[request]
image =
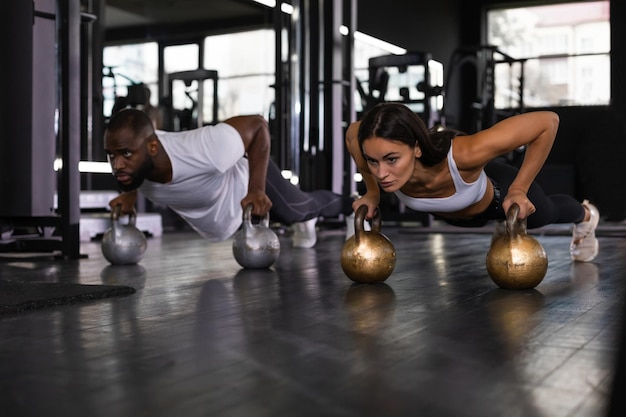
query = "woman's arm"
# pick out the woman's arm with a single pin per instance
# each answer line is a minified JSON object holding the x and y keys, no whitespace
{"x":372,"y":195}
{"x":255,"y":134}
{"x":535,"y":130}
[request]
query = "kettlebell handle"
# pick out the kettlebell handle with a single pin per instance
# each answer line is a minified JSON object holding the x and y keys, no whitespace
{"x":247,"y":216}
{"x":115,"y":216}
{"x":359,"y":221}
{"x":513,"y":224}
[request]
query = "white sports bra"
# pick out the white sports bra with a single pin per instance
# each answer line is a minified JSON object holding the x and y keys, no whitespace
{"x":465,"y":195}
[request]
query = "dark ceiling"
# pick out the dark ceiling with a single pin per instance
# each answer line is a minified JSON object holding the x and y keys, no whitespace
{"x":140,"y":13}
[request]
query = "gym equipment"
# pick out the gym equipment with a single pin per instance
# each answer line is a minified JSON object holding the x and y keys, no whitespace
{"x":193,"y":83}
{"x":368,"y":256}
{"x":50,"y":73}
{"x":255,"y":246}
{"x":123,"y":244}
{"x":414,"y":78}
{"x":516,"y":260}
{"x":471,"y":78}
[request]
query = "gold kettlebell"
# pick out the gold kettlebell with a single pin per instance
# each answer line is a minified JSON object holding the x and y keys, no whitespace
{"x":515,"y":259}
{"x":368,"y":256}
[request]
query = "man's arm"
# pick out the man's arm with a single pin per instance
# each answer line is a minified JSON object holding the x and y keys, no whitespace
{"x":255,"y":134}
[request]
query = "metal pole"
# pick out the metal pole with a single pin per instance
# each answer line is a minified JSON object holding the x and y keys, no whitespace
{"x":68,"y":29}
{"x":295,"y":64}
{"x":349,"y":167}
{"x":281,"y":88}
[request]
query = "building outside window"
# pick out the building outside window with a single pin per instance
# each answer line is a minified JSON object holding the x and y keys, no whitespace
{"x":245,"y":77}
{"x":563,"y":49}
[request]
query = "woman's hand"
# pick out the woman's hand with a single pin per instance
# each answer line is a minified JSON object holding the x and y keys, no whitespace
{"x":526,"y":207}
{"x":370,"y":200}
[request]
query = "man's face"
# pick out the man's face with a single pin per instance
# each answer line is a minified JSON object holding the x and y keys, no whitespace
{"x":129,"y":158}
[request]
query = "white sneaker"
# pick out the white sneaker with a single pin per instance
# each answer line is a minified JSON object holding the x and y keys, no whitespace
{"x":350,"y":226}
{"x":304,"y":234}
{"x":584,"y":246}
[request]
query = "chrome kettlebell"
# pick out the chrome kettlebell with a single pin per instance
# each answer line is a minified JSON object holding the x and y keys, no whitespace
{"x":515,"y":259}
{"x":123,"y":244}
{"x":255,"y":245}
{"x":368,"y":256}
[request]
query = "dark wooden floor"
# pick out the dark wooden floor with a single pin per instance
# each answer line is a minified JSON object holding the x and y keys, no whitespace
{"x":202,"y":337}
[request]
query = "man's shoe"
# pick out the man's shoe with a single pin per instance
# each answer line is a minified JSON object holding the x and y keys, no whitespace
{"x":304,"y":234}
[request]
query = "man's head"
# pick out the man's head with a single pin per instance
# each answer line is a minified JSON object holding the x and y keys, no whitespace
{"x":130,"y":144}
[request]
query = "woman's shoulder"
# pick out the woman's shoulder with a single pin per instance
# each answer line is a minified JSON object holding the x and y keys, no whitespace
{"x":353,"y":130}
{"x":466,"y":152}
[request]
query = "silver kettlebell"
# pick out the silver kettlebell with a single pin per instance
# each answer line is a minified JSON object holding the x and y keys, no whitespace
{"x":255,"y":246}
{"x":123,"y":244}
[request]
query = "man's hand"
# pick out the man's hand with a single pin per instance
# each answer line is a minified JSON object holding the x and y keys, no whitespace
{"x":261,"y":203}
{"x":127,"y":201}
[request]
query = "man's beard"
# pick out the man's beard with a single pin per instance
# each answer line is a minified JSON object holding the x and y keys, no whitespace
{"x":138,"y":177}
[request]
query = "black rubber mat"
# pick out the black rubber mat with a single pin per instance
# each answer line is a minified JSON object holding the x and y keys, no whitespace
{"x":18,"y":296}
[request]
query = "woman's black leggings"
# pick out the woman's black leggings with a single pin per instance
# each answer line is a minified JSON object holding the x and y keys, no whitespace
{"x":556,"y":208}
{"x":292,"y":205}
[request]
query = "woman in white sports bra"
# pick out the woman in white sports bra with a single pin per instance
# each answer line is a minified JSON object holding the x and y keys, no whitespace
{"x":455,"y":176}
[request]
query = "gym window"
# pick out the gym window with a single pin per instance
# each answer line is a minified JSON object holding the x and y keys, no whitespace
{"x":245,"y":77}
{"x":551,"y":55}
{"x":126,"y":65}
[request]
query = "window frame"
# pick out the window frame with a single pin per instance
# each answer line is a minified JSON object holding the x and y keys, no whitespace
{"x":573,"y":58}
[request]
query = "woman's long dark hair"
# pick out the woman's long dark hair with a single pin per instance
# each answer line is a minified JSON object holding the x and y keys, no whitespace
{"x":395,"y":121}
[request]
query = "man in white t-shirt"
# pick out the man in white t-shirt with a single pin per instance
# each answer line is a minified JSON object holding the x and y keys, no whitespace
{"x":207,"y":175}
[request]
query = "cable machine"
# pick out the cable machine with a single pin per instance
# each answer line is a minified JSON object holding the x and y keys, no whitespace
{"x":314,"y":92}
{"x":194,"y":84}
{"x":414,"y":79}
{"x":32,"y":142}
{"x":479,"y":111}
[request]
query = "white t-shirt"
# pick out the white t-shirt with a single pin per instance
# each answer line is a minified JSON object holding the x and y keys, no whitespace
{"x":209,"y":179}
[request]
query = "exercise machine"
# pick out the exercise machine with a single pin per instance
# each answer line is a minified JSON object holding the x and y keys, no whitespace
{"x":415,"y":79}
{"x":185,"y":87}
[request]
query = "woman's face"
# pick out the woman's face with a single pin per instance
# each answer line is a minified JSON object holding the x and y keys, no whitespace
{"x":391,"y":162}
